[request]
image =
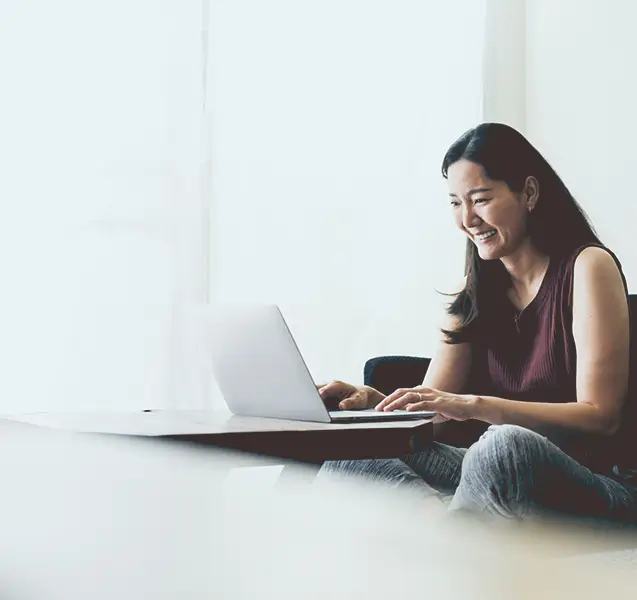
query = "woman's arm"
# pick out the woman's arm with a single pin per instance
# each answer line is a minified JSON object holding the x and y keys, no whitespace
{"x":449,"y":371}
{"x":450,"y":366}
{"x":601,"y":333}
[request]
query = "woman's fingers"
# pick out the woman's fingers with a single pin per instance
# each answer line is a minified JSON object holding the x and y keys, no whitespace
{"x":343,"y":396}
{"x":403,"y":396}
{"x":352,"y":402}
{"x":425,"y":405}
{"x":331,"y":394}
{"x":409,"y":397}
{"x":333,"y":389}
{"x":392,"y":398}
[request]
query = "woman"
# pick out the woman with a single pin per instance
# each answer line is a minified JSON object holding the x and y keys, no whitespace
{"x":542,"y":325}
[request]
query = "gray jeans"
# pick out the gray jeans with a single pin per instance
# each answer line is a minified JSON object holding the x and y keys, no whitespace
{"x":510,"y":472}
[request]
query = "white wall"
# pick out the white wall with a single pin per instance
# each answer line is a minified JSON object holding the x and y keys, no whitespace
{"x":581,"y":98}
{"x":504,"y":63}
{"x":101,"y":236}
{"x":330,"y":121}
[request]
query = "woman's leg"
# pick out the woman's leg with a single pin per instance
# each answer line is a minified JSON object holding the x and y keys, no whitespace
{"x":439,"y":466}
{"x":436,"y":471}
{"x":514,"y":472}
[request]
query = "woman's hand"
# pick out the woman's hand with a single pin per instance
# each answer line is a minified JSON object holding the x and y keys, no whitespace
{"x":458,"y":407}
{"x":345,"y":396}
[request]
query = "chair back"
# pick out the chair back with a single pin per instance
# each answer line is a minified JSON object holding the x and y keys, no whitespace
{"x":388,"y":373}
{"x":628,"y":432}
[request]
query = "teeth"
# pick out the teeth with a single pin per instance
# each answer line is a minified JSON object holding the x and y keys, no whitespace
{"x":488,"y":234}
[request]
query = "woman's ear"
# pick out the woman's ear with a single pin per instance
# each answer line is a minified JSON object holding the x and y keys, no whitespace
{"x":531,"y":192}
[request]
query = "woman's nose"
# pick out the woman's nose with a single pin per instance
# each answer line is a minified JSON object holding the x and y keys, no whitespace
{"x":469,"y":217}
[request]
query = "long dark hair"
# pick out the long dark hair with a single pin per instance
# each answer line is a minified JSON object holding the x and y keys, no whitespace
{"x":556,"y":225}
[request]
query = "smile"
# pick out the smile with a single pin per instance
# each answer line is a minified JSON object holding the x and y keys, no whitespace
{"x":486,"y":236}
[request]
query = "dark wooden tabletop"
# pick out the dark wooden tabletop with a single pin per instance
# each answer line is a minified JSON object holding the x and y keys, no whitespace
{"x":293,"y":440}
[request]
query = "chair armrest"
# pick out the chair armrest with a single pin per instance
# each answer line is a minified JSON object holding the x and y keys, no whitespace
{"x":388,"y":373}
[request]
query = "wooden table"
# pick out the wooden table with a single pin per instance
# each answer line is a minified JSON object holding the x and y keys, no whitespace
{"x":289,"y":440}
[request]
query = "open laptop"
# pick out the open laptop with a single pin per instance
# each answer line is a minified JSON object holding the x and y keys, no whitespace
{"x":260,"y":371}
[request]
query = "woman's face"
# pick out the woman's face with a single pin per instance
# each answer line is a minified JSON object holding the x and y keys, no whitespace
{"x":488,"y":211}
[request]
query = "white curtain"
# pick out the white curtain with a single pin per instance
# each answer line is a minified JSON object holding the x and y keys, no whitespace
{"x":329,"y":122}
{"x":103,"y":233}
{"x":158,"y":154}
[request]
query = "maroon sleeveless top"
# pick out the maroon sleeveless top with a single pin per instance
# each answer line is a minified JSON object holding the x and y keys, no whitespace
{"x":531,"y":356}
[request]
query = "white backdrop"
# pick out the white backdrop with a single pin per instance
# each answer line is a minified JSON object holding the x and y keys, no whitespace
{"x":299,"y":142}
{"x":103,"y":232}
{"x":581,"y":109}
{"x":329,"y":124}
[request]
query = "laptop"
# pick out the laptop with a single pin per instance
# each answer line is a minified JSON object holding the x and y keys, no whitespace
{"x":261,"y":373}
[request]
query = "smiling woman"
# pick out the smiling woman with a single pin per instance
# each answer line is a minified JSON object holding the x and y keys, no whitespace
{"x":542,"y":318}
{"x":500,"y":185}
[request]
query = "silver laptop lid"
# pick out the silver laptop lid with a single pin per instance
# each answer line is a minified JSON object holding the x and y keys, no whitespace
{"x":258,"y":366}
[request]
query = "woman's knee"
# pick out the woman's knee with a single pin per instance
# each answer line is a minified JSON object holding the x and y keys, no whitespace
{"x":505,"y":460}
{"x":506,"y":445}
{"x":509,"y":438}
